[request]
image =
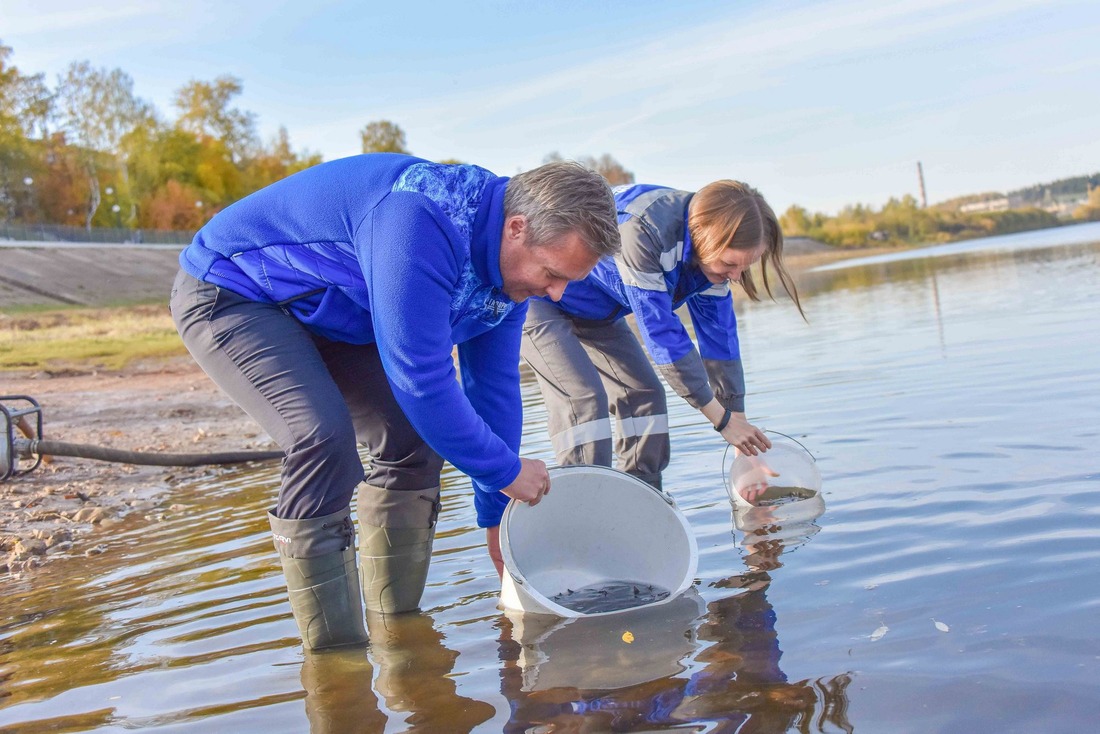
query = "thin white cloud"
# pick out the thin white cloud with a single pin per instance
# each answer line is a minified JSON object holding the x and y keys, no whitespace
{"x":681,"y":71}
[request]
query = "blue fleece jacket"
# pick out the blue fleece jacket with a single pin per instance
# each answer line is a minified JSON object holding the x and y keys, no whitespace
{"x":404,"y":253}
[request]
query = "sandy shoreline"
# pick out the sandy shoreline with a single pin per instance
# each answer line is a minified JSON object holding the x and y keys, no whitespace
{"x":57,"y":510}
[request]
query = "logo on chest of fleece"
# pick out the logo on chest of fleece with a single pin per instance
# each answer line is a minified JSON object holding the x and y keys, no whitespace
{"x":475,"y":299}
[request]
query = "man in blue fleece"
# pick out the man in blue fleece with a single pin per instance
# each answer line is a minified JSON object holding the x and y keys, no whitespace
{"x":327,"y":305}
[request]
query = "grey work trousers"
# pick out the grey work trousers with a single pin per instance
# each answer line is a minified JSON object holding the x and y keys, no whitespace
{"x":587,"y":371}
{"x":315,"y":397}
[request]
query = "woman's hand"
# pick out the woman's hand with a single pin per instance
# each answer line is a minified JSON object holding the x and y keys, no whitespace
{"x":745,"y":437}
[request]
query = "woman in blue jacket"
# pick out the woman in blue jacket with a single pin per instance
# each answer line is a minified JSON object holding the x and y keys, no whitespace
{"x":678,"y":248}
{"x":328,"y":304}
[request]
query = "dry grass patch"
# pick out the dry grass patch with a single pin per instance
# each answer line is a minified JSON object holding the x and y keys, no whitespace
{"x":85,"y":338}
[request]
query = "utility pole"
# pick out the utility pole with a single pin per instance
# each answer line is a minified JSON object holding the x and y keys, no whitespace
{"x":923,"y":197}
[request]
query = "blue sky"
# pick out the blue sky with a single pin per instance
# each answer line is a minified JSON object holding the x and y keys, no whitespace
{"x":817,"y":103}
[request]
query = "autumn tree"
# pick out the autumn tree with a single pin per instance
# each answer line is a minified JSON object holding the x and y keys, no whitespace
{"x":277,"y":160}
{"x":795,"y":222}
{"x":25,"y":105}
{"x":61,"y":188}
{"x":173,"y":206}
{"x":222,"y":143}
{"x":14,"y":147}
{"x":383,"y":136}
{"x":609,"y":168}
{"x":205,"y":110}
{"x":1090,"y":210}
{"x":606,"y":165}
{"x":97,"y":109}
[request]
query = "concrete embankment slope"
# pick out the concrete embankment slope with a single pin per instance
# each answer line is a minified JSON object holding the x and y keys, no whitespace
{"x":95,"y":274}
{"x":64,"y":273}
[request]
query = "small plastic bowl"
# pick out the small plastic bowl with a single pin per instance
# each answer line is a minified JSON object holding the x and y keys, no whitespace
{"x":784,"y":473}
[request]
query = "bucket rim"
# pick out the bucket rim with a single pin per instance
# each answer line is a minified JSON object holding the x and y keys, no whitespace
{"x":520,"y":581}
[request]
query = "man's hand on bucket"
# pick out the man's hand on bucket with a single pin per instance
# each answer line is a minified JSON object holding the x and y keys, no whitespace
{"x":532,"y":483}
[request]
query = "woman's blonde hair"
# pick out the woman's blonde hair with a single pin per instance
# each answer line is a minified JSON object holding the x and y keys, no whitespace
{"x":733,"y":214}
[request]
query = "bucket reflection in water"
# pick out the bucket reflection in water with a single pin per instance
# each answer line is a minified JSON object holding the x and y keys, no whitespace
{"x":596,"y":532}
{"x":558,"y":674}
{"x":607,"y":651}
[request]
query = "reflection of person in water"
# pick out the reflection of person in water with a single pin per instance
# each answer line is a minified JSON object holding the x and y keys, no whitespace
{"x":413,"y":669}
{"x":769,"y":530}
{"x":414,"y":675}
{"x":742,"y":686}
{"x":338,"y":692}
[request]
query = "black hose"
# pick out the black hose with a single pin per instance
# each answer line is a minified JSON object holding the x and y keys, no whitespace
{"x":101,"y":453}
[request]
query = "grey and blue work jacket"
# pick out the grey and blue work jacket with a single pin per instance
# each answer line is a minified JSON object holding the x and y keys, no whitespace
{"x":653,"y":276}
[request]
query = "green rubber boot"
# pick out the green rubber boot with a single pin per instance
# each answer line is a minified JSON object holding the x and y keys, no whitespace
{"x":318,"y":557}
{"x":396,"y":530}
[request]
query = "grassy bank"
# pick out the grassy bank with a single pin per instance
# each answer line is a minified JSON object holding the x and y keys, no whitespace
{"x":86,"y":338}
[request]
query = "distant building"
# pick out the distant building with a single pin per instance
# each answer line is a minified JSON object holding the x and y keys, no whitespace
{"x":989,"y":205}
{"x":1061,"y":205}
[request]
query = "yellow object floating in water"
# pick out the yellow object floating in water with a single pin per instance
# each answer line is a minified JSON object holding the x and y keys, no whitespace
{"x":628,"y":637}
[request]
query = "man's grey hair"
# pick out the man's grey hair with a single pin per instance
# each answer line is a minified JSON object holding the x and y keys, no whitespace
{"x":562,"y":197}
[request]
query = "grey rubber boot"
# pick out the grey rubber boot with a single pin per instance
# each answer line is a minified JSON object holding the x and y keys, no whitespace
{"x":396,"y":530}
{"x":318,"y":557}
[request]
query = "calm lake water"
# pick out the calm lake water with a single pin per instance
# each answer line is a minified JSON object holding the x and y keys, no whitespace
{"x":949,"y":583}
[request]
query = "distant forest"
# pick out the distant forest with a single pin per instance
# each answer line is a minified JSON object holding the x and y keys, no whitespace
{"x":89,"y":153}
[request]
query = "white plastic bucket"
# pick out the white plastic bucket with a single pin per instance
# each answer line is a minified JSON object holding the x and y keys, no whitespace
{"x":596,"y":525}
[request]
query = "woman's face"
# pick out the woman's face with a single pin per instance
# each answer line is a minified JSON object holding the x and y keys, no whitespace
{"x":730,"y":264}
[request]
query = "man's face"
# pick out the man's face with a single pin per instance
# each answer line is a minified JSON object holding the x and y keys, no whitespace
{"x":541,"y":270}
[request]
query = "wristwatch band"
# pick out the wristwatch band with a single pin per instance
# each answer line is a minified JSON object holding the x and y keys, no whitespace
{"x":724,"y":422}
